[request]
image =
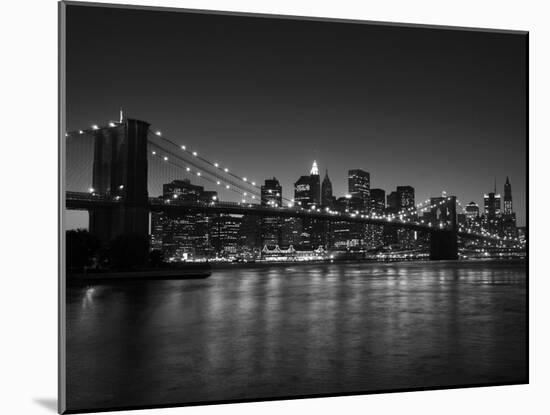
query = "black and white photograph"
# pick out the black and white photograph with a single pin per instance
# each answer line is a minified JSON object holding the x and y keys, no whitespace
{"x":262,"y":207}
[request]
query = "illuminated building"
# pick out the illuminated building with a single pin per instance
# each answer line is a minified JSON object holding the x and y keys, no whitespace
{"x":225,"y":235}
{"x":472,"y":211}
{"x":327,"y":199}
{"x":405,"y":196}
{"x":377,"y":207}
{"x":508,"y":197}
{"x":315,"y":184}
{"x":509,"y":217}
{"x":307,"y":194}
{"x":250,"y":236}
{"x":359,"y":189}
{"x":185,"y":236}
{"x":378,"y":201}
{"x":271,"y":196}
{"x":492,"y":204}
{"x":291,"y":230}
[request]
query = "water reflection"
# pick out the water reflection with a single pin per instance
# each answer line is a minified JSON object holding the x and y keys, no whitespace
{"x":280,"y":331}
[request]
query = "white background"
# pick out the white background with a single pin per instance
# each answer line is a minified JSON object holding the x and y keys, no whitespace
{"x":28,"y":163}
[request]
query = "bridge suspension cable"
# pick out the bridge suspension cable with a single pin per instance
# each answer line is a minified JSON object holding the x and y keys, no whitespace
{"x":167,"y":157}
{"x":246,"y":182}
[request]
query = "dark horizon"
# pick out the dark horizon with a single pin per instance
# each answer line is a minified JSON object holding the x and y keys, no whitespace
{"x":432,"y":108}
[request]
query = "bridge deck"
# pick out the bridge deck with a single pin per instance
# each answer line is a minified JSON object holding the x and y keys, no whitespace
{"x":85,"y":201}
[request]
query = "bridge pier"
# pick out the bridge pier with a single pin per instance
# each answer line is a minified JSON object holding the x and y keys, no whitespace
{"x":443,"y":245}
{"x":120,"y":171}
{"x":444,"y":242}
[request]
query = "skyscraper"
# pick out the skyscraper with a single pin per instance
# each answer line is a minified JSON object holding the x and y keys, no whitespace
{"x":271,"y":196}
{"x":378,"y":207}
{"x":508,"y":197}
{"x":378,"y":201}
{"x":307,"y":194}
{"x":303,"y":195}
{"x":225,"y":235}
{"x":509,"y":217}
{"x":271,"y":193}
{"x":472,"y":210}
{"x":405,"y":195}
{"x":307,"y":189}
{"x":393,"y":203}
{"x":491,"y":204}
{"x":315,"y":184}
{"x":359,"y":189}
{"x":185,"y":236}
{"x":327,"y":199}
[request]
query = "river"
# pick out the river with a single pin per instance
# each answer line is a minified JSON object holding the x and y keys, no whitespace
{"x":296,"y":330}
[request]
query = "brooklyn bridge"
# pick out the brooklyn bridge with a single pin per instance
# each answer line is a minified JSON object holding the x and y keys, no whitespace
{"x":118,"y":201}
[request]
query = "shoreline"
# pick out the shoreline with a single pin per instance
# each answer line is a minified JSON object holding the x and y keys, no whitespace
{"x":195,"y":272}
{"x":227,"y":265}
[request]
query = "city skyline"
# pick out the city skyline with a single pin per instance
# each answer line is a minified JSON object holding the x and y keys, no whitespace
{"x":277,"y":208}
{"x":397,"y":111}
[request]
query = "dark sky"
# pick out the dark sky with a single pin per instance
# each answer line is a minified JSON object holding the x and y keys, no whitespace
{"x":431,"y":108}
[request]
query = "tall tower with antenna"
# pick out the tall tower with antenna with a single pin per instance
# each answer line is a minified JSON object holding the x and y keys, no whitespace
{"x":508,"y":197}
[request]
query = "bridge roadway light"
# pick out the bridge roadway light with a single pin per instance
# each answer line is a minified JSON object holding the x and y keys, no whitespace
{"x":112,"y":124}
{"x":165,"y":158}
{"x":227,"y":186}
{"x":195,"y":153}
{"x":158,"y":133}
{"x":91,"y":190}
{"x":253,"y":183}
{"x":244,"y":179}
{"x":80,"y":132}
{"x":216,"y":165}
{"x":226,"y":170}
{"x":188,"y":169}
{"x":95,"y":127}
{"x":183,"y":147}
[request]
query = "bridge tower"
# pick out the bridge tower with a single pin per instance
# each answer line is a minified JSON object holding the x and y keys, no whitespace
{"x":120,"y":172}
{"x":444,"y":242}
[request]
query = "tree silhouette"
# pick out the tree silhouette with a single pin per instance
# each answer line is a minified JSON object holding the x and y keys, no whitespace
{"x":81,"y":246}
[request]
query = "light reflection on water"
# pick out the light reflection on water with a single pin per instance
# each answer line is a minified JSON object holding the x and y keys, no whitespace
{"x":312,"y":329}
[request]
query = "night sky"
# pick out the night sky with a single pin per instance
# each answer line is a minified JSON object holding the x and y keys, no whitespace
{"x":431,"y":108}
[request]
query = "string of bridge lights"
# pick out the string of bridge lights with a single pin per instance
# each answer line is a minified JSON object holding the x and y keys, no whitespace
{"x":190,"y":162}
{"x":159,"y":154}
{"x":251,"y":183}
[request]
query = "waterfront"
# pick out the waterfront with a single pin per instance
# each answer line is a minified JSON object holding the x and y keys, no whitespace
{"x":296,"y":330}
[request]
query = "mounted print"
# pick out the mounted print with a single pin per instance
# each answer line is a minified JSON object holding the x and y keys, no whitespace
{"x":258,"y":207}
